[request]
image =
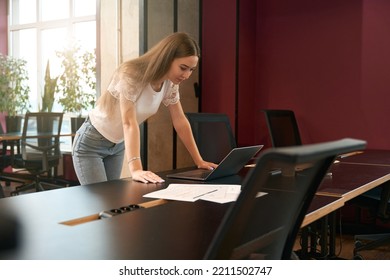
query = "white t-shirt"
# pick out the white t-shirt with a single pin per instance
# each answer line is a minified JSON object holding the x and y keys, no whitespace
{"x":146,"y":103}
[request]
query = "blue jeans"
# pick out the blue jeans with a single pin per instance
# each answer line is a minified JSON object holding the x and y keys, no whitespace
{"x":96,"y":159}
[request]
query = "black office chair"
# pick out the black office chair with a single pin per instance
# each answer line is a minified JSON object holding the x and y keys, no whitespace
{"x":266,"y":227}
{"x":284,"y":131}
{"x":213,"y":135}
{"x":283,"y":128}
{"x":40,"y":149}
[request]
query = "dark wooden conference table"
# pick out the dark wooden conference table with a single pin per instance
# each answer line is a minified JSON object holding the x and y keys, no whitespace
{"x":64,"y":223}
{"x":352,"y":176}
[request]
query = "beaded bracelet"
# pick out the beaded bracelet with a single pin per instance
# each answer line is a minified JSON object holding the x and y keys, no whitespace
{"x":133,"y":159}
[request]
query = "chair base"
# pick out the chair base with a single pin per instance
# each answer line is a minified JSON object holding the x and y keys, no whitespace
{"x":11,"y":177}
{"x":369,"y":241}
{"x":32,"y":186}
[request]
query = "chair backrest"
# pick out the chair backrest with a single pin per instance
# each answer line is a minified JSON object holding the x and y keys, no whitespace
{"x":40,"y":142}
{"x":267,"y":226}
{"x":213,"y":135}
{"x":283,"y":128}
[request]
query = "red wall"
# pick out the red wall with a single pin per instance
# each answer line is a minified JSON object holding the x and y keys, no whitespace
{"x":328,"y":60}
{"x":218,"y":60}
{"x":309,"y":60}
{"x":375,"y":72}
{"x":246,"y":94}
{"x":228,"y":79}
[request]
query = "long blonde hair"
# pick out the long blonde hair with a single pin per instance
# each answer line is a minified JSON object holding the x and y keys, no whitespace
{"x":154,"y":64}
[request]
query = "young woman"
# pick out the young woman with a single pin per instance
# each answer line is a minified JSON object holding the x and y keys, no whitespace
{"x":135,"y":93}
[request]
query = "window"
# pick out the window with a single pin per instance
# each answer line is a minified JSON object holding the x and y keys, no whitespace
{"x":40,"y":28}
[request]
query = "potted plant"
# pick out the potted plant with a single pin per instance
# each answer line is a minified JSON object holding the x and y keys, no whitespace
{"x":77,"y":83}
{"x":48,"y":90}
{"x":14,"y":90}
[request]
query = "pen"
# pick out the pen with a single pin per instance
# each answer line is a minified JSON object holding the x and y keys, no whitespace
{"x":204,"y":194}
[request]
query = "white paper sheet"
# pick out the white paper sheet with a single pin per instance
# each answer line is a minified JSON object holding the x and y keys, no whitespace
{"x":194,"y":192}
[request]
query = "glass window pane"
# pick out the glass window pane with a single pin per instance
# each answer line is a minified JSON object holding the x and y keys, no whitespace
{"x":52,"y":10}
{"x":53,"y":40}
{"x":26,"y":49}
{"x":23,"y":11}
{"x":85,"y":34}
{"x":84,"y":7}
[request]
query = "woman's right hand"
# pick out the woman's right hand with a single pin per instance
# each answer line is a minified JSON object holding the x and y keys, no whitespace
{"x":207,"y":165}
{"x":145,"y":176}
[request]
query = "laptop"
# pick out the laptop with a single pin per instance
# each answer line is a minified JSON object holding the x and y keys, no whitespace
{"x":230,"y":165}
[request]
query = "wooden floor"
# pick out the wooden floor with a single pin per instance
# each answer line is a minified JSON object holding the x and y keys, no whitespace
{"x":379,"y":253}
{"x":345,"y":242}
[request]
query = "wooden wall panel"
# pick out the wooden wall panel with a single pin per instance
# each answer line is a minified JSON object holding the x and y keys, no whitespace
{"x":159,"y":24}
{"x":165,"y":17}
{"x":188,"y":20}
